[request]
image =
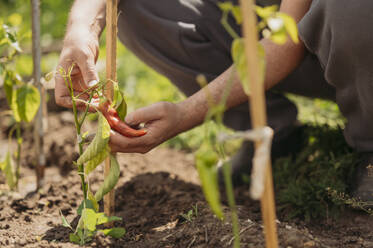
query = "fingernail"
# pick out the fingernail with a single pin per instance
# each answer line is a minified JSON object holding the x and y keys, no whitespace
{"x":92,"y":83}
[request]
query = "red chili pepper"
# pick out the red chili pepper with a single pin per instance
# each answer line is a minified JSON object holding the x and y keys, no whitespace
{"x":117,"y":124}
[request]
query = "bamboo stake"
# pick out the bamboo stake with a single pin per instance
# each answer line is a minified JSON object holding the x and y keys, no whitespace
{"x":39,"y":127}
{"x":111,"y":69}
{"x":258,"y":115}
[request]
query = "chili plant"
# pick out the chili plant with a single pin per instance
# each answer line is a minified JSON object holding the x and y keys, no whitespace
{"x":211,"y":155}
{"x":110,"y":115}
{"x":22,"y":98}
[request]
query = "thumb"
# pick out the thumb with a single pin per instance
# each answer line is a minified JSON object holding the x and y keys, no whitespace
{"x":89,"y":72}
{"x":143,"y":115}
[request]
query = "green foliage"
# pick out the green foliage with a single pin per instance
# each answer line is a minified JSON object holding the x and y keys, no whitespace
{"x":119,"y":102}
{"x":98,"y":149}
{"x":325,"y":163}
{"x":191,"y":214}
{"x":23,"y":99}
{"x":87,"y":226}
{"x":206,"y":161}
{"x":27,"y":102}
{"x":7,"y":167}
{"x":94,"y":154}
{"x":240,"y":63}
{"x":110,"y":181}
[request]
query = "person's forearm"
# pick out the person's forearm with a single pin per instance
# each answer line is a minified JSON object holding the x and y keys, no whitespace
{"x":281,"y":60}
{"x":87,"y":14}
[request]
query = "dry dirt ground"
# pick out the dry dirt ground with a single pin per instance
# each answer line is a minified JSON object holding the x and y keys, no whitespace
{"x":153,"y":192}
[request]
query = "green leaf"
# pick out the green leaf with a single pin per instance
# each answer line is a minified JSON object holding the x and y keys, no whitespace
{"x":74,"y":238}
{"x":65,"y":223}
{"x":266,"y":12}
{"x":122,"y":109}
{"x":240,"y":63}
{"x":279,"y":37}
{"x":110,"y":181}
{"x":237,"y":14}
{"x":89,"y":217}
{"x":8,"y":86}
{"x":290,"y":26}
{"x":206,"y":161}
{"x":225,"y":6}
{"x":92,"y":198}
{"x":119,"y":102}
{"x":88,"y":204}
{"x":116,"y":232}
{"x":102,"y":218}
{"x":28,"y":102}
{"x":92,"y":164}
{"x":98,"y":149}
{"x":7,"y":168}
{"x":14,"y":107}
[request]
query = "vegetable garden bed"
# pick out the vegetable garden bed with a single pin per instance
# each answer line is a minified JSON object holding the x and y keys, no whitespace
{"x":160,"y":201}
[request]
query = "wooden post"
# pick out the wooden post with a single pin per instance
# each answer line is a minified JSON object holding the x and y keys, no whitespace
{"x":111,"y":75}
{"x":258,"y":115}
{"x":38,"y":127}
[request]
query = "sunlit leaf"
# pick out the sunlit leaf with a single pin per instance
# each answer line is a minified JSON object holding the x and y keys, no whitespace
{"x":206,"y":161}
{"x":28,"y":102}
{"x":290,"y":26}
{"x":240,"y":63}
{"x":14,"y":107}
{"x":102,"y":218}
{"x":65,"y":223}
{"x":89,"y":218}
{"x":74,"y":238}
{"x":92,"y":198}
{"x":225,"y":6}
{"x":266,"y":12}
{"x":92,"y":164}
{"x":119,"y":102}
{"x":7,"y":168}
{"x":88,"y":204}
{"x":8,"y":86}
{"x":99,"y":145}
{"x":237,"y":14}
{"x":279,"y":37}
{"x":110,"y":181}
{"x":116,"y":232}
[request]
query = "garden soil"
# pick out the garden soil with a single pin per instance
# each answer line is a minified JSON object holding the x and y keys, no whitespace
{"x":153,"y":193}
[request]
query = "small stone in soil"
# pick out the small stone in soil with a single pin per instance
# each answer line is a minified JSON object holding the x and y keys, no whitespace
{"x":27,"y":218}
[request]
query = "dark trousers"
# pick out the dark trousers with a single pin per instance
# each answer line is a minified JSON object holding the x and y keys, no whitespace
{"x":184,"y":38}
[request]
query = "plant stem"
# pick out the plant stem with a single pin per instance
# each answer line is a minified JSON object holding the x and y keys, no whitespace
{"x":19,"y":146}
{"x":232,"y":204}
{"x":78,"y":128}
{"x":225,"y":23}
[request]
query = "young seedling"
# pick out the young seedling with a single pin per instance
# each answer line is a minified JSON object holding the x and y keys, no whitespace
{"x":110,"y":115}
{"x":191,"y":214}
{"x":22,"y":98}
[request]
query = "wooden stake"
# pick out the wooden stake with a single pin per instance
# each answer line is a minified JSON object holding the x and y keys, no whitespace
{"x":111,"y":75}
{"x":258,"y":115}
{"x":38,"y":127}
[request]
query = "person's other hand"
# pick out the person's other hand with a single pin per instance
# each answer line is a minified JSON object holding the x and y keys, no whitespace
{"x":80,"y":48}
{"x":162,"y":121}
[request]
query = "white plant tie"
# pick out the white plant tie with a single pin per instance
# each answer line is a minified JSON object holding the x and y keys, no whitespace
{"x":261,"y":157}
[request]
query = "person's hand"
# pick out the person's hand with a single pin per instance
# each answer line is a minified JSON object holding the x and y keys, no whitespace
{"x":162,"y":121}
{"x":80,"y":48}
